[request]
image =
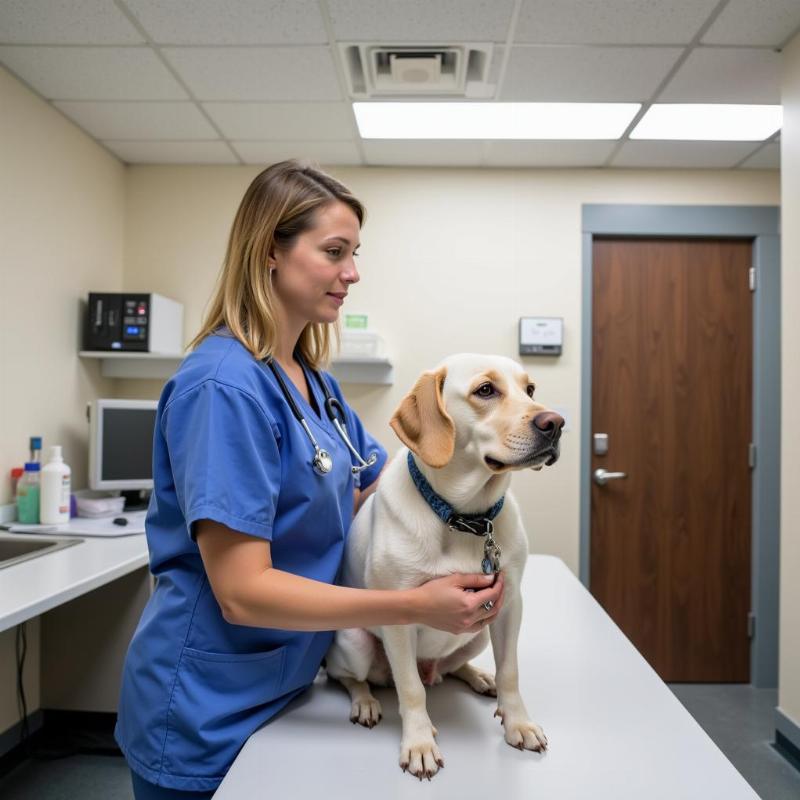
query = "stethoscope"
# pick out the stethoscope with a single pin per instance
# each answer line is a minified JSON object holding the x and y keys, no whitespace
{"x":322,"y":462}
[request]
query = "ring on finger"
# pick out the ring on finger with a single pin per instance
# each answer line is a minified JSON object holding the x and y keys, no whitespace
{"x":488,"y":605}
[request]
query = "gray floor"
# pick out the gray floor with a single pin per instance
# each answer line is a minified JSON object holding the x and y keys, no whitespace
{"x":741,"y":722}
{"x":80,"y":777}
{"x":737,"y":717}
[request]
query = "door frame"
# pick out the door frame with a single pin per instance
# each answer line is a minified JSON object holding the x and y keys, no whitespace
{"x":762,"y":223}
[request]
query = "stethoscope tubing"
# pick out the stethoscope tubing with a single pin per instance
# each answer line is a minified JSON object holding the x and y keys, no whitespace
{"x":322,"y":461}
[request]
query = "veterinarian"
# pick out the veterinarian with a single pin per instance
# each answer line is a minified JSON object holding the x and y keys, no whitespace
{"x":245,"y":528}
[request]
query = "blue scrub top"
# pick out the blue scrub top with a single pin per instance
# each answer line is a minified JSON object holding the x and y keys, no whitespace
{"x":227,"y":447}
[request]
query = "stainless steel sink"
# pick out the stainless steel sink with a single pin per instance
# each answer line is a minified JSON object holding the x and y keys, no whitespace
{"x":15,"y":547}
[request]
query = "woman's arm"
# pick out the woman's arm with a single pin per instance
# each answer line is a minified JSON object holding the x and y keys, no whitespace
{"x":250,"y":591}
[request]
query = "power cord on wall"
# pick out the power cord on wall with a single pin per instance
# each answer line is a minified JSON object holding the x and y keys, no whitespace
{"x":22,"y":644}
{"x":31,"y":748}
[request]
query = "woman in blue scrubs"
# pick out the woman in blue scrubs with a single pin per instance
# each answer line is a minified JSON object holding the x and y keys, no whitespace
{"x":246,"y":539}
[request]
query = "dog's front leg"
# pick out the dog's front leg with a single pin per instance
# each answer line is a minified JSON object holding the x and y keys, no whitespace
{"x":418,"y":751}
{"x":520,"y":731}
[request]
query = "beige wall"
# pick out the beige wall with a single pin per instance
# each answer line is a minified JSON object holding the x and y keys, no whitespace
{"x":450,"y":260}
{"x":62,"y":215}
{"x":789,"y":664}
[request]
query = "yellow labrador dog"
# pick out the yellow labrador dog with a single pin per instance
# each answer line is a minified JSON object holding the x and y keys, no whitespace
{"x":443,"y":506}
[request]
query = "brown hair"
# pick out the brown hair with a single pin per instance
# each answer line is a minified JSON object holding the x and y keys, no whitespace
{"x":278,"y":206}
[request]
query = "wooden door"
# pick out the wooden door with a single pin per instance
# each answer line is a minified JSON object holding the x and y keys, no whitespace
{"x":672,"y":387}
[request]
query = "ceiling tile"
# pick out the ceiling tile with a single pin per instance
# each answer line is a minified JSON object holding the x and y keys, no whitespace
{"x":443,"y":22}
{"x":283,"y":121}
{"x":573,"y":74}
{"x":139,"y":120}
{"x":512,"y":153}
{"x":75,"y":22}
{"x":680,"y":154}
{"x":247,"y":22}
{"x":321,"y":152}
{"x":767,"y":22}
{"x":611,"y":21}
{"x":768,"y":157}
{"x":257,"y":73}
{"x":411,"y":152}
{"x":726,"y":75}
{"x":172,"y":152}
{"x":93,"y":73}
{"x":493,"y":75}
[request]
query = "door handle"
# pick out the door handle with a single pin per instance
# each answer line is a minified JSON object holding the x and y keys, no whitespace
{"x":601,"y":476}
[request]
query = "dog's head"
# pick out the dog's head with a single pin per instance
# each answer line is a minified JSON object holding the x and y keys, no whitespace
{"x":483,"y":406}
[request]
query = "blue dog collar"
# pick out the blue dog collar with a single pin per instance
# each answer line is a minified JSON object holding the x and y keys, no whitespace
{"x":479,"y":524}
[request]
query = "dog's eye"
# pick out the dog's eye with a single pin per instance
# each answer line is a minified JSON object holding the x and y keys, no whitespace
{"x":531,"y":390}
{"x":485,"y":390}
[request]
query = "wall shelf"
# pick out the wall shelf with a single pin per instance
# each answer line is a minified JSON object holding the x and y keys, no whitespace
{"x":163,"y":365}
{"x":363,"y":370}
{"x":134,"y":365}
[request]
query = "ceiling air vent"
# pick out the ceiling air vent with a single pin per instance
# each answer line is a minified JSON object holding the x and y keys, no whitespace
{"x":409,"y":70}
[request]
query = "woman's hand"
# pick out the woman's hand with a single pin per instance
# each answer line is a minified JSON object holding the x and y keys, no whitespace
{"x":442,"y":602}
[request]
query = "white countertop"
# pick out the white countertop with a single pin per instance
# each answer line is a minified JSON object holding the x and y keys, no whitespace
{"x":31,"y":587}
{"x":615,"y":729}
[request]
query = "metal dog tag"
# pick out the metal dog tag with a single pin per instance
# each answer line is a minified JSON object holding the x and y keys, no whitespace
{"x":491,"y":556}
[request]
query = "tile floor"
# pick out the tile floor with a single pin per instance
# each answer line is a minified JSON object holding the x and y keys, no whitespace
{"x":740,"y":720}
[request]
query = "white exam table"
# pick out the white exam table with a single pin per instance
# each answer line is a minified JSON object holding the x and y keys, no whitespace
{"x":615,"y":729}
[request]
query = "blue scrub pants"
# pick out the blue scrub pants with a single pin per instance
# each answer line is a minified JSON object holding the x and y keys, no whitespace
{"x":144,"y":790}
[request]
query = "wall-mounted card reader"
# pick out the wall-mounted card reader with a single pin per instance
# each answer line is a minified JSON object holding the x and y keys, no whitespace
{"x":541,"y":336}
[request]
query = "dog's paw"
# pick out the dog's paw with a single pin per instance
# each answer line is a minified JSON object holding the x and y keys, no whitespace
{"x":481,"y":681}
{"x":523,"y":734}
{"x":366,"y":712}
{"x":421,"y":756}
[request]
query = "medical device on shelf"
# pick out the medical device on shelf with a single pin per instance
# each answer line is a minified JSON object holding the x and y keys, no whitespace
{"x":131,"y":321}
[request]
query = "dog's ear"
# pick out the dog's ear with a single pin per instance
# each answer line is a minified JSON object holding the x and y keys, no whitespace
{"x":422,"y":423}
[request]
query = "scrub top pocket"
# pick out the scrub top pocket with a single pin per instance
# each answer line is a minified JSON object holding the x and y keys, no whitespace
{"x":219,"y":699}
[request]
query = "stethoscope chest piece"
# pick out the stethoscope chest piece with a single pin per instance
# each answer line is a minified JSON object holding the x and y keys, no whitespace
{"x":322,"y":462}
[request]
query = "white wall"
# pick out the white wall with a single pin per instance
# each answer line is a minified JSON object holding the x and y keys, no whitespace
{"x":789,"y":664}
{"x":450,"y":259}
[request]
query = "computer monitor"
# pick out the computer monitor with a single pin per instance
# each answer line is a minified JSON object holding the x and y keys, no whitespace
{"x":121,"y":444}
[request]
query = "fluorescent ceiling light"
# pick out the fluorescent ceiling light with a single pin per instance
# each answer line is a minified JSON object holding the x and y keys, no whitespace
{"x":717,"y":122}
{"x":457,"y":120}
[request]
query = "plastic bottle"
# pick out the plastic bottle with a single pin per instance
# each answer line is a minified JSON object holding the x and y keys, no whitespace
{"x":36,"y":449}
{"x":56,"y":485}
{"x":28,"y":494}
{"x":16,"y":474}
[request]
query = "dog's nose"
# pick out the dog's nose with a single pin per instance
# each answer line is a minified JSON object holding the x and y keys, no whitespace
{"x":550,"y":424}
